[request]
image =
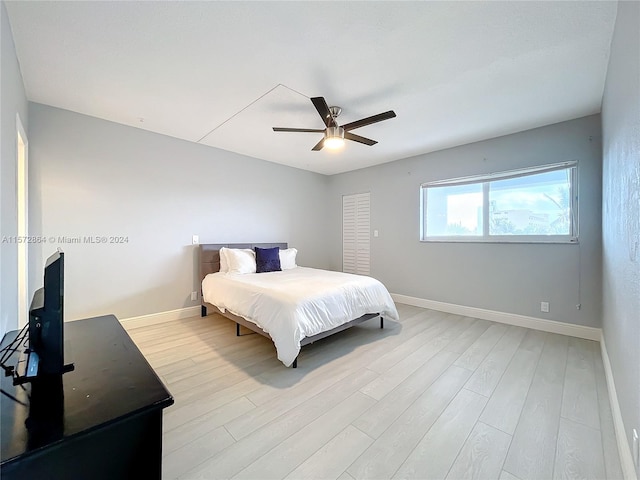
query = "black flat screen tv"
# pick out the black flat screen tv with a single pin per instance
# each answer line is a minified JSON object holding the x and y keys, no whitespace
{"x":46,"y":322}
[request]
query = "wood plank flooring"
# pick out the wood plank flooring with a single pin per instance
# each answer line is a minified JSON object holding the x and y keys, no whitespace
{"x":432,"y":396}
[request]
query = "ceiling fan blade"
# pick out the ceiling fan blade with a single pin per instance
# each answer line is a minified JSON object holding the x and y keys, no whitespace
{"x":359,"y":139}
{"x":309,"y":130}
{"x":369,"y":120}
{"x":318,"y":146}
{"x":323,"y":109}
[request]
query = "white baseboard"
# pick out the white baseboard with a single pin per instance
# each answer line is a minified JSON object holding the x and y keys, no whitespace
{"x":624,"y":450}
{"x":579,"y":331}
{"x":161,"y":317}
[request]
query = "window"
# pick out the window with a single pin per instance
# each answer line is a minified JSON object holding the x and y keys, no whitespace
{"x":531,"y":205}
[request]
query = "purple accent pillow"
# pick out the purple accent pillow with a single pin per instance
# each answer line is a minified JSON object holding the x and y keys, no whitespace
{"x":267,"y":259}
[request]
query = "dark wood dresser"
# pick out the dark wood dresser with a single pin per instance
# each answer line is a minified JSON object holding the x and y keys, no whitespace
{"x":103,"y":420}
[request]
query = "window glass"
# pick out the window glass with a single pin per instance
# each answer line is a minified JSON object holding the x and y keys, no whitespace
{"x":454,"y":210}
{"x":532,"y":205}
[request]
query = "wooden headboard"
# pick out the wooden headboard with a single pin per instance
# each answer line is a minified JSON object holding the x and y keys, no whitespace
{"x":210,"y":254}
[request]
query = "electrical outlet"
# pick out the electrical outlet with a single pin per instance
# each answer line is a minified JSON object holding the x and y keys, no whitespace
{"x":544,"y":307}
{"x":636,"y":449}
{"x":194,"y":295}
{"x":195,"y":240}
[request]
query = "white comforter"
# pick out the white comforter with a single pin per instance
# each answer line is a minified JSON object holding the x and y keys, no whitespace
{"x":297,"y":303}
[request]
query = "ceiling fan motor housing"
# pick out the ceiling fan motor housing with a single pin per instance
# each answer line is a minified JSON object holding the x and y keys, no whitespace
{"x":333,"y":132}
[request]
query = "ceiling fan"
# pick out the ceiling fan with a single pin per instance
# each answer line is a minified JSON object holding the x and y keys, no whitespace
{"x":334,"y":134}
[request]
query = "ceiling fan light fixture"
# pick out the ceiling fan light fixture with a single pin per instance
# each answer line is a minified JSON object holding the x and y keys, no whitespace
{"x":334,"y":137}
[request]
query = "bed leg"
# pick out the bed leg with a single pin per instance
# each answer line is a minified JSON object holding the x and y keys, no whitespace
{"x":295,"y":363}
{"x":381,"y":321}
{"x":237,"y":329}
{"x":203,"y":311}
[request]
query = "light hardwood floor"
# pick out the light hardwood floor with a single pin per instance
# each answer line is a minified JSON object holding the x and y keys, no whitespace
{"x":432,"y":396}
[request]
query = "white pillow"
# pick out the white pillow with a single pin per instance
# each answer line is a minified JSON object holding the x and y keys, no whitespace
{"x":288,"y":258}
{"x":241,"y":260}
{"x":224,"y":263}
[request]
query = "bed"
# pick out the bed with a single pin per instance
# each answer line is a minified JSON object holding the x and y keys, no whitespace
{"x":294,"y":307}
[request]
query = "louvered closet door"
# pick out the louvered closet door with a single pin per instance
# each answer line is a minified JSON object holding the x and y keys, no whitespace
{"x":356,"y":236}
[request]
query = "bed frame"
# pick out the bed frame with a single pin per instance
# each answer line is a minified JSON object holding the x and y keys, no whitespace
{"x":210,"y":263}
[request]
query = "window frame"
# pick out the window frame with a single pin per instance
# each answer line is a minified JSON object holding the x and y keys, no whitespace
{"x":485,"y":180}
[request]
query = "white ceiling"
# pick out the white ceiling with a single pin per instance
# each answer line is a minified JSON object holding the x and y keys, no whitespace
{"x":224,"y":73}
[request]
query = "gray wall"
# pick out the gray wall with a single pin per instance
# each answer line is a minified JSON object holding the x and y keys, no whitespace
{"x":12,"y":101}
{"x":621,"y":212}
{"x":511,"y":278}
{"x":93,"y":177}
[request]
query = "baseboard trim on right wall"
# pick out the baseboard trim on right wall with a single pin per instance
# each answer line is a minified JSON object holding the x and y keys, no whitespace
{"x":624,"y":450}
{"x":552,"y":326}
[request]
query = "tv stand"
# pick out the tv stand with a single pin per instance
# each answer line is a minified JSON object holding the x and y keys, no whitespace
{"x":102,"y":420}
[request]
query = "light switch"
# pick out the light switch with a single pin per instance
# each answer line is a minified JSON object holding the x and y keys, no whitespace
{"x":195,"y":240}
{"x":376,"y":233}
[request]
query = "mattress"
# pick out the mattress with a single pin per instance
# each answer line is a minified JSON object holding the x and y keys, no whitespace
{"x":293,"y":304}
